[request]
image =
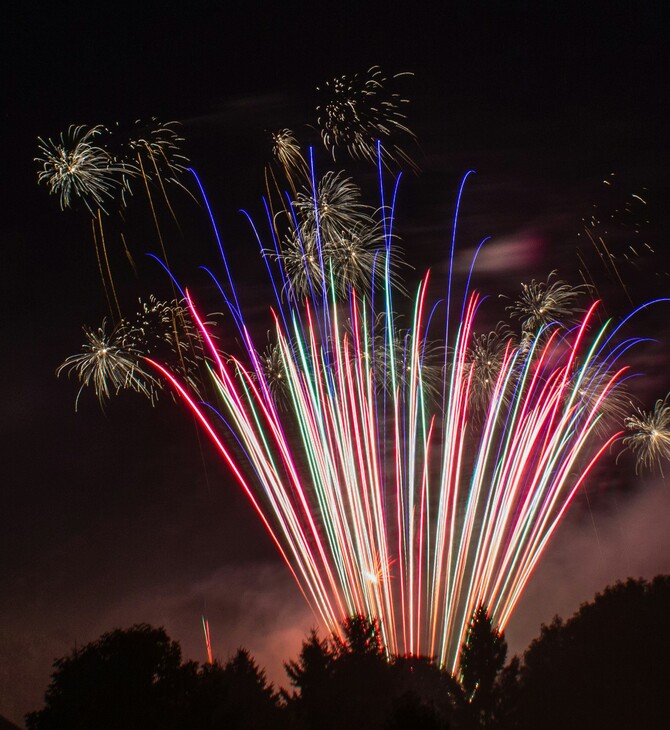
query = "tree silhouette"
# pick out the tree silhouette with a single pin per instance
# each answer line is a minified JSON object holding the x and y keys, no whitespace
{"x":481,"y":660}
{"x":342,"y":681}
{"x":126,"y":679}
{"x":234,"y":695}
{"x":135,"y":679}
{"x":607,"y":666}
{"x":349,"y":681}
{"x":311,"y":675}
{"x":424,"y":696}
{"x":362,"y":638}
{"x":409,"y":711}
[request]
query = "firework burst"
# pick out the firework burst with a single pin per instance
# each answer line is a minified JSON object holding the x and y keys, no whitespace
{"x":162,"y":143}
{"x":75,"y":167}
{"x":333,"y":239}
{"x":155,"y":147}
{"x":110,"y":363}
{"x":300,"y":261}
{"x":287,"y":152}
{"x":618,"y":236}
{"x":359,"y":111}
{"x":97,"y":164}
{"x":649,"y":435}
{"x":274,"y":371}
{"x":484,"y":359}
{"x":116,"y":361}
{"x":542,"y":303}
{"x":388,"y":353}
{"x":335,"y":209}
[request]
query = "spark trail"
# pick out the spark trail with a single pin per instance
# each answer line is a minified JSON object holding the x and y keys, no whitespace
{"x":385,"y":495}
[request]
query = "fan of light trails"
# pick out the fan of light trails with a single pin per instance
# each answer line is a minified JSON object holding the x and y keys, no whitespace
{"x":386,"y":499}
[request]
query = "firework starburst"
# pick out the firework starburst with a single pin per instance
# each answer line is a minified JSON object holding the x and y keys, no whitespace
{"x":110,"y":362}
{"x":337,"y":206}
{"x":484,"y":358}
{"x":333,"y":237}
{"x":161,"y":144}
{"x":649,"y":435}
{"x":287,"y":152}
{"x":115,"y":361}
{"x":274,"y":370}
{"x":359,"y":111}
{"x":542,"y":303}
{"x":75,"y":166}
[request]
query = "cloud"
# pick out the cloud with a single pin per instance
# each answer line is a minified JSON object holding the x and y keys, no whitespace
{"x":510,"y":254}
{"x":255,"y":606}
{"x":627,"y":536}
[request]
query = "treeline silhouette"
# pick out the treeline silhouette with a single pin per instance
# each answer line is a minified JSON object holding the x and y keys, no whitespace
{"x":606,"y":667}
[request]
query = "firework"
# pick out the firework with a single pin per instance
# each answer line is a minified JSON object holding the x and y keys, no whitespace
{"x":116,"y":361}
{"x":162,"y":144}
{"x":406,"y":468}
{"x":350,"y":259}
{"x":649,"y":438}
{"x":332,"y":238}
{"x":155,"y":148}
{"x":76,"y":167}
{"x":208,"y":640}
{"x":160,"y":323}
{"x":618,"y":235}
{"x":484,"y":359}
{"x":275,"y":374}
{"x":543,"y":303}
{"x":99,"y":164}
{"x":387,"y":496}
{"x":300,"y":261}
{"x":389,"y":355}
{"x":335,"y":208}
{"x":287,"y":152}
{"x":359,"y":111}
{"x":96,"y":163}
{"x":110,"y":363}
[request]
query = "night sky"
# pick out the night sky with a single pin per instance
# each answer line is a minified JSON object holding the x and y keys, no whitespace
{"x":118,"y":516}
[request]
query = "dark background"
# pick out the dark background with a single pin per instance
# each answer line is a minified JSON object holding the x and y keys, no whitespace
{"x":116,"y":516}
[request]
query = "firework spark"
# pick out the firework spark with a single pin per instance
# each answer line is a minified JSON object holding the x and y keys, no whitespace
{"x":287,"y":152}
{"x":162,"y":143}
{"x":389,"y":355}
{"x":275,"y":374}
{"x":155,"y":148}
{"x":335,"y":209}
{"x":618,"y":234}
